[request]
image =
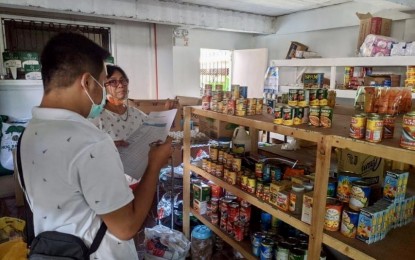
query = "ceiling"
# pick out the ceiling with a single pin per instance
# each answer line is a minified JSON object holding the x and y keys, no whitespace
{"x":282,"y":7}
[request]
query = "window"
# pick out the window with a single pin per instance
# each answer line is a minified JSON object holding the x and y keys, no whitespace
{"x":215,"y":68}
{"x":26,"y":35}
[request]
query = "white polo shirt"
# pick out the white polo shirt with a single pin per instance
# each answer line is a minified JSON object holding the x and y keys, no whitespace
{"x":73,"y":172}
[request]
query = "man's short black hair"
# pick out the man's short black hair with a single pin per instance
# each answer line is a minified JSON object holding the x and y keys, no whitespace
{"x":67,"y":56}
{"x":111,"y":69}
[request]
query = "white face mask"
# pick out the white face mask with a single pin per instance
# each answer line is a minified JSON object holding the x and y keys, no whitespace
{"x":96,"y":109}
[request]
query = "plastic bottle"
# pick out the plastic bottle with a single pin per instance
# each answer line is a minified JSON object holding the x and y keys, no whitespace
{"x":296,"y":199}
{"x":241,"y":142}
{"x":202,"y":243}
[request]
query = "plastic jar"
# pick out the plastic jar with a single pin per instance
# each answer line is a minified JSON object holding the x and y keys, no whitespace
{"x":202,"y":243}
{"x":296,"y":199}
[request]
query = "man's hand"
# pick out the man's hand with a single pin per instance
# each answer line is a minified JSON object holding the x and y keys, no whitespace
{"x":159,"y":154}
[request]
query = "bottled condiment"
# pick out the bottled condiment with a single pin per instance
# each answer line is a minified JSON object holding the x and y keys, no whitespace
{"x":296,"y":199}
{"x":202,"y":243}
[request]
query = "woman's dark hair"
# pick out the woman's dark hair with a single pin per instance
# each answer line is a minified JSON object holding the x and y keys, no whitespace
{"x":67,"y":56}
{"x":111,"y":69}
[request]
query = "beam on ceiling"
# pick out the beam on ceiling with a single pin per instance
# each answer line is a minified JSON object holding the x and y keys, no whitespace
{"x":153,"y":11}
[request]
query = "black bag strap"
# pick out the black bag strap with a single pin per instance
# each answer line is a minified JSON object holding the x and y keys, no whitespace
{"x":102,"y":229}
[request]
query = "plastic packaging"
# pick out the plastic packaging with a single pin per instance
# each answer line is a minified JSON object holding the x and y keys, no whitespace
{"x":241,"y":142}
{"x":202,"y":243}
{"x":377,"y":45}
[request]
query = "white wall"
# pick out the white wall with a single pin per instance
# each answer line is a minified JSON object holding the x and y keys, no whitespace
{"x":186,"y":59}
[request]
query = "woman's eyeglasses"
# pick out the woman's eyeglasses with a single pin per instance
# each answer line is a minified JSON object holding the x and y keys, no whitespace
{"x":114,"y":82}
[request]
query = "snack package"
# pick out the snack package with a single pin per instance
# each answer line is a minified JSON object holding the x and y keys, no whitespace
{"x":164,"y":243}
{"x":383,"y":100}
{"x":376,"y":45}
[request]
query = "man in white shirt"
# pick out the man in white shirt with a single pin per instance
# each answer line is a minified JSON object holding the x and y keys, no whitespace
{"x":73,"y":173}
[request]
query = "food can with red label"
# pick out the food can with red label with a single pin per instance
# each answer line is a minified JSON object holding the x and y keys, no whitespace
{"x":388,"y":126}
{"x":244,"y":182}
{"x":212,"y":168}
{"x":303,"y":97}
{"x":313,"y":97}
{"x":259,"y":167}
{"x":216,"y":190}
{"x":259,"y":188}
{"x":219,"y":170}
{"x":278,"y":120}
{"x":231,"y":177}
{"x":208,"y":90}
{"x":229,"y":161}
{"x":214,"y":218}
{"x":333,"y":214}
{"x":408,"y":131}
{"x":233,"y":211}
{"x":245,"y":213}
{"x":206,"y":102}
{"x":236,"y":163}
{"x":214,"y":203}
{"x":251,"y":185}
{"x":358,"y":126}
{"x":374,"y":129}
{"x":288,"y":115}
{"x":230,"y":107}
{"x":223,"y":222}
{"x":293,"y":97}
{"x":229,"y":228}
{"x":239,"y":230}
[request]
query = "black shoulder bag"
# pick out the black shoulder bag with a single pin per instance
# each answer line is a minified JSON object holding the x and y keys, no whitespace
{"x":50,"y":245}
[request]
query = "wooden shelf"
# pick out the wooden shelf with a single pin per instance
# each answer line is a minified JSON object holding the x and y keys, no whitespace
{"x":244,"y":247}
{"x":398,"y":244}
{"x":350,"y":61}
{"x":284,"y":216}
{"x":264,"y":122}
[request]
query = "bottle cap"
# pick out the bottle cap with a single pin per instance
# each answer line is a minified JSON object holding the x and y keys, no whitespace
{"x":201,"y":232}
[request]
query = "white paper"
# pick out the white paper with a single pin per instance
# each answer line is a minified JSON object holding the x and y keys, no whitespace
{"x":155,"y":128}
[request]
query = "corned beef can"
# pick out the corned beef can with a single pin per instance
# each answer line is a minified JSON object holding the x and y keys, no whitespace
{"x":408,"y":131}
{"x":374,"y":129}
{"x":239,"y":230}
{"x":223,"y":222}
{"x":245,"y":213}
{"x":233,"y":211}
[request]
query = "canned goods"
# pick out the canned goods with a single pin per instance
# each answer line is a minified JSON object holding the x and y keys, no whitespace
{"x":245,"y":213}
{"x":230,"y":108}
{"x":259,"y":188}
{"x":251,"y":104}
{"x":217,"y":95}
{"x":259,"y":106}
{"x":283,"y":251}
{"x":374,"y":129}
{"x":219,"y":87}
{"x":288,"y":115}
{"x":216,"y":190}
{"x":266,"y":193}
{"x":251,"y":185}
{"x":236,"y":163}
{"x":293,"y":97}
{"x":220,"y":155}
{"x":208,"y":165}
{"x":298,"y":115}
{"x":244,"y":182}
{"x":214,"y":104}
{"x":388,"y":126}
{"x":314,"y":117}
{"x":243,"y":91}
{"x":239,"y":230}
{"x":265,"y":221}
{"x":344,"y":185}
{"x":230,"y":228}
{"x":322,"y":94}
{"x":240,"y":112}
{"x":313,"y":97}
{"x":214,"y":218}
{"x":266,"y":249}
{"x":212,"y":168}
{"x":408,"y":131}
{"x":259,"y":167}
{"x":297,"y":254}
{"x":206,"y":102}
{"x":241,"y":104}
{"x":223,"y":222}
{"x":358,"y":126}
{"x":303,"y":97}
{"x":231,"y":177}
{"x":359,"y":196}
{"x":208,"y":90}
{"x":233,"y":211}
{"x":204,"y":163}
{"x":278,"y":120}
{"x":349,"y":222}
{"x":276,"y":173}
{"x":256,"y":243}
{"x":229,"y":160}
{"x":213,"y":152}
{"x":331,"y":188}
{"x":271,"y":104}
{"x":333,"y":213}
{"x":214,"y":204}
{"x":225,"y":174}
{"x":326,"y":116}
{"x":235,"y":91}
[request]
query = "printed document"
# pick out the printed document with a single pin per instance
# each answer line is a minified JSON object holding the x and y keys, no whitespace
{"x":155,"y":128}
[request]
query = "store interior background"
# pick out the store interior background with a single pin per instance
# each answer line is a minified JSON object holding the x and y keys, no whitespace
{"x":331,"y":31}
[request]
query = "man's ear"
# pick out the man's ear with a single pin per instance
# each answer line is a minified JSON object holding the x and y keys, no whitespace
{"x":85,"y":80}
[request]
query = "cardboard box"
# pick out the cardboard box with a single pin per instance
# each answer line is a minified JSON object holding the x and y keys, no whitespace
{"x":372,"y":25}
{"x":361,"y":164}
{"x":201,"y":192}
{"x":200,"y":206}
{"x":294,"y":47}
{"x":215,"y":129}
{"x":380,"y":78}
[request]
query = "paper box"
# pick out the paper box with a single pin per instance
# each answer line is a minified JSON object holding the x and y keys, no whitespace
{"x":200,"y":206}
{"x":306,"y":213}
{"x":215,"y":129}
{"x":201,"y":192}
{"x":380,"y":78}
{"x":372,"y":25}
{"x":294,"y":47}
{"x":361,"y":164}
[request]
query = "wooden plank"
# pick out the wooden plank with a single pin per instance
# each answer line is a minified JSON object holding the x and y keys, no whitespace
{"x":253,"y":133}
{"x":265,"y":206}
{"x":319,"y":197}
{"x":264,"y":122}
{"x":186,"y":172}
{"x":244,"y":247}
